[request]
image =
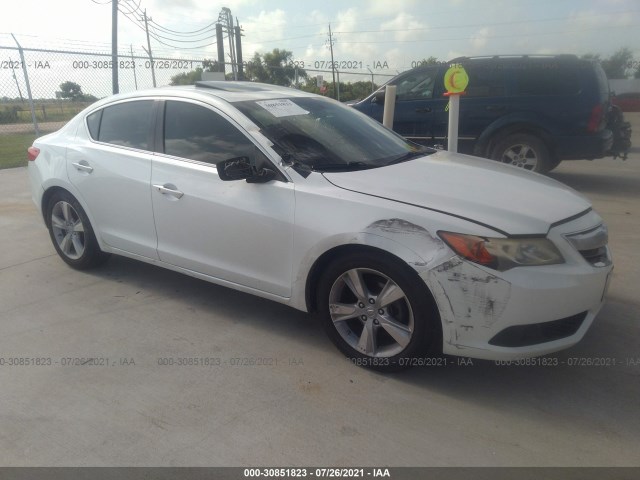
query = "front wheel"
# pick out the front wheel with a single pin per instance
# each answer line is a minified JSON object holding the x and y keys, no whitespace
{"x":524,"y":151}
{"x":378,"y":312}
{"x":71,"y":232}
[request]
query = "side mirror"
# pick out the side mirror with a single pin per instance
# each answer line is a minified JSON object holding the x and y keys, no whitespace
{"x":263,"y":176}
{"x":240,"y":168}
{"x":378,"y":97}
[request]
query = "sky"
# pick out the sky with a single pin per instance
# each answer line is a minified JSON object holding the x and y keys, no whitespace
{"x":379,"y":36}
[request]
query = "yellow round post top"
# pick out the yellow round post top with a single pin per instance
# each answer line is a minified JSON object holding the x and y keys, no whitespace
{"x":455,"y":80}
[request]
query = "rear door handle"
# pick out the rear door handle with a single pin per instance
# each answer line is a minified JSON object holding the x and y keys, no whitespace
{"x":83,"y":166}
{"x":169,"y":189}
{"x":496,"y":108}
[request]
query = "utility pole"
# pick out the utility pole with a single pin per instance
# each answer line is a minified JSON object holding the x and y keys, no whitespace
{"x":333,"y":70}
{"x":114,"y":46}
{"x":238,"y":35}
{"x":153,"y":69}
{"x":226,"y":19}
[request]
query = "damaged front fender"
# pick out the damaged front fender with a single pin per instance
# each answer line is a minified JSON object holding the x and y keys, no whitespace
{"x":468,"y":297}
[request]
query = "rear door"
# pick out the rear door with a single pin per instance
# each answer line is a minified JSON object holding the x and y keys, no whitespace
{"x":110,"y":166}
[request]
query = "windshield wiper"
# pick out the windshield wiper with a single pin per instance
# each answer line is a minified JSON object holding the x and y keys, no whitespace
{"x":409,"y":155}
{"x":349,"y":166}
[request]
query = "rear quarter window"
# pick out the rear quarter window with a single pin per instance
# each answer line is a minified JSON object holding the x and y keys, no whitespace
{"x":93,"y":124}
{"x":546,"y":79}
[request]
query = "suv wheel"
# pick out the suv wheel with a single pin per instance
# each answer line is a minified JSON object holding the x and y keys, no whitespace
{"x":524,"y":151}
{"x":376,"y":312}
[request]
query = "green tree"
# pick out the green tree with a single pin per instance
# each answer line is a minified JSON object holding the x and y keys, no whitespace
{"x":187,"y":78}
{"x":275,"y":67}
{"x":255,"y":70}
{"x":348,"y":91}
{"x":617,"y":65}
{"x":428,"y":61}
{"x":190,"y":78}
{"x":70,"y":90}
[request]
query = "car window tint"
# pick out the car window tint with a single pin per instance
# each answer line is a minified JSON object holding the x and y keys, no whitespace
{"x":416,"y":86}
{"x":548,"y":79}
{"x":127,"y":124}
{"x":93,"y":122}
{"x":198,"y":133}
{"x":484,"y":81}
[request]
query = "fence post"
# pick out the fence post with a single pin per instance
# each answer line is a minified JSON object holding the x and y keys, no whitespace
{"x":26,"y":81}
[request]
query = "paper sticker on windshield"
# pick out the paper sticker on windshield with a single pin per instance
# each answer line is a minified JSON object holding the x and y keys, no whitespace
{"x":282,"y":107}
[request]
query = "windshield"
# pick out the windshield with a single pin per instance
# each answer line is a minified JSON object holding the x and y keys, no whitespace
{"x":325,"y":135}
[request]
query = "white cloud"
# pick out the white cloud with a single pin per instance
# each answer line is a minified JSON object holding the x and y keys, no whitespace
{"x":387,"y":8}
{"x":407,"y":27}
{"x":263,"y":32}
{"x":479,"y":39}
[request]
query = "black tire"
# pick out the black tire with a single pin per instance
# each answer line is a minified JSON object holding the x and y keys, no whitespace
{"x":412,"y":316}
{"x":554,"y":164}
{"x":523,"y":150}
{"x":71,"y":232}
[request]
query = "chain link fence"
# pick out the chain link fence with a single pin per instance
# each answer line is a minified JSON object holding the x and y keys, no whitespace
{"x":41,"y":89}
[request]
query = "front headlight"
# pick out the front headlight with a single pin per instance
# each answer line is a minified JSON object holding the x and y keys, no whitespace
{"x":503,"y":253}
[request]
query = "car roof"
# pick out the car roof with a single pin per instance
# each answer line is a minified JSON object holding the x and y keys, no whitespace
{"x":229,"y":91}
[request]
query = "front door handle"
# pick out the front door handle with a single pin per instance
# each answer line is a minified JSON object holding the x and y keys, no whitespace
{"x":83,"y":166}
{"x":169,"y":189}
{"x":423,"y":110}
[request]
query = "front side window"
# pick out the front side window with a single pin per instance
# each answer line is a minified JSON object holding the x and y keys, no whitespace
{"x":127,"y":124}
{"x":198,"y":133}
{"x":416,"y":86}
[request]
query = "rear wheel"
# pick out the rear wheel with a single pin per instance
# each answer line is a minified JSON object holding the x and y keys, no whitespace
{"x":378,"y":312}
{"x":524,"y":151}
{"x":71,"y":232}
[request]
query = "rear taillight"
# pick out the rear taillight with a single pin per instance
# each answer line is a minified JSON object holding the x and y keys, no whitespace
{"x":32,"y":153}
{"x":595,"y":119}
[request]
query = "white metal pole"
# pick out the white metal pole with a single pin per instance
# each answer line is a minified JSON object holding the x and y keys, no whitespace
{"x":389,"y":106}
{"x":454,"y":116}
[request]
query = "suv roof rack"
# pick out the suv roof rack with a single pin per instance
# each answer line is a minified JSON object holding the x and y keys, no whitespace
{"x":564,"y":56}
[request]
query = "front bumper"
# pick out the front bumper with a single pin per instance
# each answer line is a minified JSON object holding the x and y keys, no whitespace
{"x":523,"y":312}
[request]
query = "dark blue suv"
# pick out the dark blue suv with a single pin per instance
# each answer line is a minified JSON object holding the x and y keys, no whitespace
{"x":530,"y":111}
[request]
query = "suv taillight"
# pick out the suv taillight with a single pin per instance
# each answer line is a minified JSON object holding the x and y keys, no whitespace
{"x":597,"y":114}
{"x":32,"y":153}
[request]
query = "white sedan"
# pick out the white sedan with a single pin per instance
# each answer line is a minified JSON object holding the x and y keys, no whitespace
{"x":405,"y":251}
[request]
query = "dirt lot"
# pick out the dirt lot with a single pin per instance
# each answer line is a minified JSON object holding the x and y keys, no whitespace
{"x":305,"y":405}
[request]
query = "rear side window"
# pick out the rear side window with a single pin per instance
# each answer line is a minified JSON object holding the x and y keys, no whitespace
{"x":546,"y":79}
{"x":198,"y":133}
{"x":486,"y":80}
{"x":126,"y":124}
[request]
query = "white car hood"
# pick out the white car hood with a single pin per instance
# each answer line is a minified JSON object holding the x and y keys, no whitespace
{"x":508,"y":199}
